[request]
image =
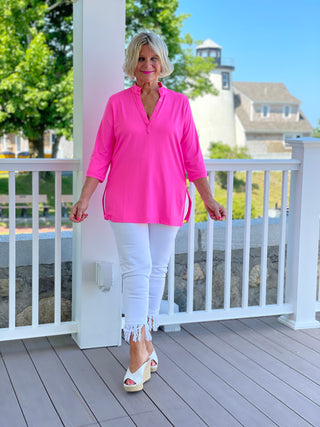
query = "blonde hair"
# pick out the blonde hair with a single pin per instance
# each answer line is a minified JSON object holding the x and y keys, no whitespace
{"x":156,"y":44}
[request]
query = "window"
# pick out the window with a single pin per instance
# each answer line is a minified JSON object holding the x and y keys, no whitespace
{"x":3,"y":143}
{"x":286,"y":111}
{"x":265,"y":110}
{"x":226,"y":81}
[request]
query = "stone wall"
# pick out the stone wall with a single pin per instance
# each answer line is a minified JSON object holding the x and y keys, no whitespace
{"x":46,"y":294}
{"x":46,"y":278}
{"x":46,"y":270}
{"x":199,"y":297}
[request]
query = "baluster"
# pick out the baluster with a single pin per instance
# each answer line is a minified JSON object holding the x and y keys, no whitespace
{"x":35,"y":248}
{"x":228,"y":249}
{"x":12,"y":250}
{"x":171,"y":283}
{"x":246,"y":241}
{"x":209,"y":266}
{"x":57,"y":250}
{"x":191,"y":226}
{"x":282,"y":242}
{"x":264,"y":247}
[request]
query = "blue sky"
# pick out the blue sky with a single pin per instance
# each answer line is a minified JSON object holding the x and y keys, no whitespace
{"x":269,"y":41}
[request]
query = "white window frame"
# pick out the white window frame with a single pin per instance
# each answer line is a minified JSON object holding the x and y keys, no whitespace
{"x":289,"y":111}
{"x":227,"y":87}
{"x":262,"y":110}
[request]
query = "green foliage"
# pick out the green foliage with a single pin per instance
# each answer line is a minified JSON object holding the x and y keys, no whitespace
{"x":218,"y":150}
{"x":36,"y":80}
{"x":191,"y":74}
{"x":238,"y":205}
{"x":35,"y":84}
{"x":316,"y":131}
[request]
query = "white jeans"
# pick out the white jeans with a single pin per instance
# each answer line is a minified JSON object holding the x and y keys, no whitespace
{"x":144,"y":252}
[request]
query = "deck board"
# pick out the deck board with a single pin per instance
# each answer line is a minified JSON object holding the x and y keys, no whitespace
{"x":34,"y":401}
{"x":11,"y":414}
{"x":201,"y":364}
{"x":273,"y":365}
{"x":307,"y":342}
{"x":215,"y":354}
{"x":281,"y":347}
{"x":95,"y":392}
{"x":112,"y":373}
{"x":285,"y":395}
{"x":163,"y":396}
{"x":250,"y":372}
{"x":64,"y":394}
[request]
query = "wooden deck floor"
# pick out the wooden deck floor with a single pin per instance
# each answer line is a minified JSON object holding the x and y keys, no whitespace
{"x":250,"y":372}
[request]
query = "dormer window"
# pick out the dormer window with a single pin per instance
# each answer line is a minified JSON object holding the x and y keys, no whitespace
{"x":265,"y":111}
{"x":287,"y":111}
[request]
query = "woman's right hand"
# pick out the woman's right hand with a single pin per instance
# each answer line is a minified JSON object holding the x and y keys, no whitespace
{"x":78,"y":211}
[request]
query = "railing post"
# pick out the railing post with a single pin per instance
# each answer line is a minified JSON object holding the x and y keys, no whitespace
{"x":303,"y":235}
{"x":99,"y":45}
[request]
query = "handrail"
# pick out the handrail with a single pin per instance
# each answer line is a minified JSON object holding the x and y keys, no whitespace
{"x":40,"y":165}
{"x":228,"y":165}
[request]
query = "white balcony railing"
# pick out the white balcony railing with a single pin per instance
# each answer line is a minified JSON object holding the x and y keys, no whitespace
{"x":36,"y":166}
{"x":297,"y":300}
{"x":263,"y":309}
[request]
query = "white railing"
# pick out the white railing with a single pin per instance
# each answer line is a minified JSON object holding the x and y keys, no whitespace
{"x":297,"y":297}
{"x":281,"y":307}
{"x":36,"y":166}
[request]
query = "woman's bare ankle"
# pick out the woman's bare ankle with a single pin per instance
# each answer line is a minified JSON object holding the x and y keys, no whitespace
{"x":138,"y":352}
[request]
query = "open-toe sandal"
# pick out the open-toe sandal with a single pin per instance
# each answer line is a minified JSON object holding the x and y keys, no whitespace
{"x":139,"y":377}
{"x":153,"y":357}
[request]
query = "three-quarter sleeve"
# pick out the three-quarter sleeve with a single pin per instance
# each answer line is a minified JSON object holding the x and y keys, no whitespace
{"x":193,"y":158}
{"x":104,"y":145}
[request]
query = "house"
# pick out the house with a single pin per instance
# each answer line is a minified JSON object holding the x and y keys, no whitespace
{"x":258,"y":116}
{"x":15,"y":145}
{"x":266,"y":115}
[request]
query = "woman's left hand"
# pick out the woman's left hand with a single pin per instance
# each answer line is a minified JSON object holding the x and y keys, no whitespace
{"x":216,"y":211}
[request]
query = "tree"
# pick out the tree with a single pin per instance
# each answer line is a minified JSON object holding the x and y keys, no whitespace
{"x":191,"y":73}
{"x":218,"y":150}
{"x":36,"y":79}
{"x":35,"y":85}
{"x":316,"y":131}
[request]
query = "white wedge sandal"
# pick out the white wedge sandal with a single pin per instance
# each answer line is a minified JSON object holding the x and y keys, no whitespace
{"x":153,"y":357}
{"x":139,"y":377}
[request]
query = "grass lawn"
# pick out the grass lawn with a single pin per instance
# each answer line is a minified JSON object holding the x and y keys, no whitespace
{"x":239,"y":196}
{"x":46,"y":184}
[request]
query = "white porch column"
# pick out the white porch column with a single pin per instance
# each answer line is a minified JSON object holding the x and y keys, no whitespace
{"x":303,"y":235}
{"x":99,"y":44}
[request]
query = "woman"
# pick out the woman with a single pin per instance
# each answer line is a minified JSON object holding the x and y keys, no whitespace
{"x":148,"y":138}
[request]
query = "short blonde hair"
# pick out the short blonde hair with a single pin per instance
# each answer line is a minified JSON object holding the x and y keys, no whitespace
{"x":156,"y":44}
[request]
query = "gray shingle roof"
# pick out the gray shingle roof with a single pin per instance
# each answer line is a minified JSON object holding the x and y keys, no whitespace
{"x":266,"y":92}
{"x":302,"y":125}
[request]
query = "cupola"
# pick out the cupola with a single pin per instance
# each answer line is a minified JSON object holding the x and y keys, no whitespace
{"x":209,"y":49}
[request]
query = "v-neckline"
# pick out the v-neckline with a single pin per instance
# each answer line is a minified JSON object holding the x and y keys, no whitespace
{"x":137,"y":93}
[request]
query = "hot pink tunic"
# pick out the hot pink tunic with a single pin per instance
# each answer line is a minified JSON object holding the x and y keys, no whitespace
{"x":148,"y":159}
